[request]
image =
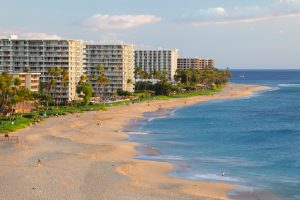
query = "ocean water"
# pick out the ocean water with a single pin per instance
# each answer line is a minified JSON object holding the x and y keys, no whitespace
{"x":254,"y":140}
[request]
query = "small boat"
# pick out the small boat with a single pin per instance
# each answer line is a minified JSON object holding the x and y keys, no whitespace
{"x":242,"y":76}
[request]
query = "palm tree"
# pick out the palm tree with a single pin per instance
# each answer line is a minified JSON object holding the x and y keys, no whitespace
{"x":26,"y":69}
{"x":51,"y":82}
{"x":5,"y":88}
{"x":129,"y":82}
{"x":57,"y":73}
{"x":103,"y":80}
{"x":137,"y":72}
{"x":17,"y":82}
{"x":100,"y":78}
{"x":64,"y":81}
{"x":155,"y":74}
{"x":41,"y":96}
{"x":83,"y":78}
{"x":91,"y":77}
{"x":99,"y":82}
{"x":100,"y":68}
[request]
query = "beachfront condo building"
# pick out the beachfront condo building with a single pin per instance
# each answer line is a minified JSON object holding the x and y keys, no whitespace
{"x":29,"y":80}
{"x":117,"y":63}
{"x":210,"y":63}
{"x":157,"y":60}
{"x":195,"y":63}
{"x":50,"y":58}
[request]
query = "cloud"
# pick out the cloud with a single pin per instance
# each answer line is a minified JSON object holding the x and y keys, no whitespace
{"x":5,"y":32}
{"x":289,"y":1}
{"x":215,"y":11}
{"x":100,"y":22}
{"x":34,"y":35}
{"x":111,"y":38}
{"x":246,"y":14}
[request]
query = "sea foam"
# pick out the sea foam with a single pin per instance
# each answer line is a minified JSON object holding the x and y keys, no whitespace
{"x":214,"y":177}
{"x":137,"y":133}
{"x":289,"y":85}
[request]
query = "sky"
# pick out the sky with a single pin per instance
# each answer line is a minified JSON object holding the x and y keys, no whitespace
{"x":239,"y":34}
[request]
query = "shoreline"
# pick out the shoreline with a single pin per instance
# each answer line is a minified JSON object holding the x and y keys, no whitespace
{"x":149,"y":151}
{"x":82,"y":160}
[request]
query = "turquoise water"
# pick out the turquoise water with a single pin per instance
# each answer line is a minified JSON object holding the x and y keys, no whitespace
{"x":254,"y":140}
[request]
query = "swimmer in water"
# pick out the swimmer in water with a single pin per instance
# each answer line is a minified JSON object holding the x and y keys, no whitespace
{"x":222,"y":173}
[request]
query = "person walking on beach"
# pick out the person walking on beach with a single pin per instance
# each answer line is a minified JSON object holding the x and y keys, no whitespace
{"x":39,"y":162}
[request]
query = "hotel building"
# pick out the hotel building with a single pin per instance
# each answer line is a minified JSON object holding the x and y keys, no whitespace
{"x":29,"y":80}
{"x":195,"y":63}
{"x":20,"y":55}
{"x":118,"y":64}
{"x":210,"y":63}
{"x":157,"y":60}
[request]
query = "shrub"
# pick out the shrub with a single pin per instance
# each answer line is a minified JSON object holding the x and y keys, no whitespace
{"x":121,"y":92}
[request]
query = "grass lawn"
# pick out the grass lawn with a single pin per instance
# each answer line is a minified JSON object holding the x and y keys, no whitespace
{"x":197,"y":93}
{"x":6,"y":126}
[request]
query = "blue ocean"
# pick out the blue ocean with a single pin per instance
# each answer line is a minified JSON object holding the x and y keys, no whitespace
{"x":255,"y":140}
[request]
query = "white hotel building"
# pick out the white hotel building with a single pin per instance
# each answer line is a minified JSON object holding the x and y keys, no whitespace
{"x":157,"y":60}
{"x":20,"y":55}
{"x":118,"y":64}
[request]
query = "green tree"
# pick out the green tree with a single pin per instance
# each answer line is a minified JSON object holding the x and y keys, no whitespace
{"x":100,"y":78}
{"x":85,"y":91}
{"x":26,"y":69}
{"x":11,"y":93}
{"x":83,"y":78}
{"x":17,"y":82}
{"x":103,"y":80}
{"x":64,"y":82}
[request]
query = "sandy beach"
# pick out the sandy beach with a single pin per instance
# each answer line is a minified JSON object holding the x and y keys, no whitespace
{"x":86,"y":156}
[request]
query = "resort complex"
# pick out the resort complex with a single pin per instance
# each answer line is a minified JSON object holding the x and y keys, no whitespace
{"x":150,"y":100}
{"x":57,"y":67}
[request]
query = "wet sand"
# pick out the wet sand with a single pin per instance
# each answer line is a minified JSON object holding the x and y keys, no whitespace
{"x":83,"y":160}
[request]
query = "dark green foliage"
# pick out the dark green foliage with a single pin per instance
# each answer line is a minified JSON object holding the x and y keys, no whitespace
{"x":187,"y":81}
{"x":207,"y":78}
{"x":85,"y":91}
{"x":121,"y":92}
